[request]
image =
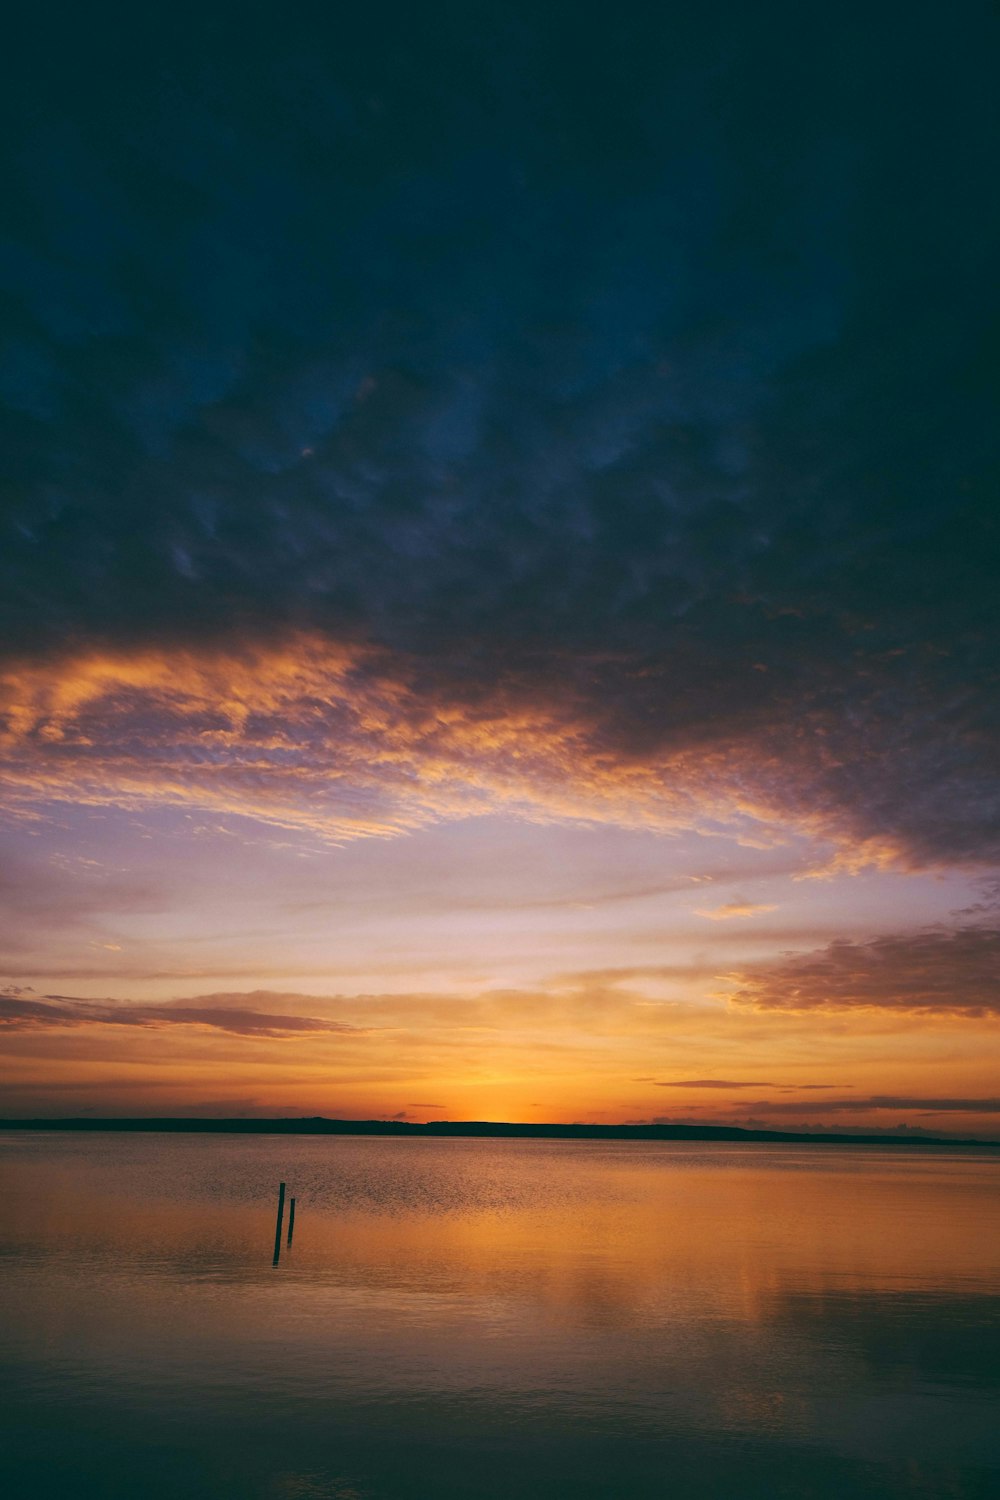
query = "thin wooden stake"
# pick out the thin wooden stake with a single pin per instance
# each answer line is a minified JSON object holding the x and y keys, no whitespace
{"x":291,"y":1219}
{"x":277,"y":1228}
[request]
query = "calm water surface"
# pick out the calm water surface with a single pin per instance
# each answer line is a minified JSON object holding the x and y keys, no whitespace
{"x":509,"y":1319}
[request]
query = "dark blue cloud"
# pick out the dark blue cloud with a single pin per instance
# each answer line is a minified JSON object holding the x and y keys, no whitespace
{"x":650,"y":353}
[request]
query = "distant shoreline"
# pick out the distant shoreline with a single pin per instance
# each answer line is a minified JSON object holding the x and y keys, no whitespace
{"x":318,"y":1125}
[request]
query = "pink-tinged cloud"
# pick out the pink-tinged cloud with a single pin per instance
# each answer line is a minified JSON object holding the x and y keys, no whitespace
{"x":951,"y":971}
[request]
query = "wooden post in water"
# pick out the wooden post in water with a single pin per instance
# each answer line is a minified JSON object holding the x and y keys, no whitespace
{"x":277,"y":1228}
{"x":291,"y":1219}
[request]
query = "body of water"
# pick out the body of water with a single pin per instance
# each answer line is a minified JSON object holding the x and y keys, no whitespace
{"x":496,"y":1318}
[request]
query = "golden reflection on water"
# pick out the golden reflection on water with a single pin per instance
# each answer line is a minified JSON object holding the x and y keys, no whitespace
{"x":793,"y":1295}
{"x":562,"y":1218}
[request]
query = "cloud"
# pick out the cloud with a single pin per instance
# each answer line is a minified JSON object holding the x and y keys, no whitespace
{"x":48,"y":1012}
{"x":733,"y":909}
{"x":410,"y":449}
{"x":566,"y":1013}
{"x":306,"y":735}
{"x":933,"y":970}
{"x":919,"y":1103}
{"x":710,"y":1083}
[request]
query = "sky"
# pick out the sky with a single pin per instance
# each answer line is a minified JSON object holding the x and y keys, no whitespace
{"x":498,"y":564}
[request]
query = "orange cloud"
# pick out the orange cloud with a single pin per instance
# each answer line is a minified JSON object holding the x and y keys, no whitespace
{"x":345,"y":742}
{"x":732,"y":909}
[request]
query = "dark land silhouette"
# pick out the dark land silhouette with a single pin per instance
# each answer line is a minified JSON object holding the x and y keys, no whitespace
{"x":319,"y":1125}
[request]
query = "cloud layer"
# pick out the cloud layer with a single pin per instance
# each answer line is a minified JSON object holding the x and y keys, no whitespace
{"x":935,"y":971}
{"x":451,"y":417}
{"x":862,"y":1105}
{"x":23,"y":1010}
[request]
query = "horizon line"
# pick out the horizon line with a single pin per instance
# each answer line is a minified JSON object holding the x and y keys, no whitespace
{"x":326,"y":1125}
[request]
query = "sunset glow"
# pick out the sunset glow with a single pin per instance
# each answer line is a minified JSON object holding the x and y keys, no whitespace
{"x":498,"y":597}
{"x":293,"y":878}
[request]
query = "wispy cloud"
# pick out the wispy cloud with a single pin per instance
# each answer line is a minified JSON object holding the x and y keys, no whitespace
{"x":733,"y":909}
{"x":22,"y":1010}
{"x":711,"y":1083}
{"x":345,"y":740}
{"x":920,"y":1104}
